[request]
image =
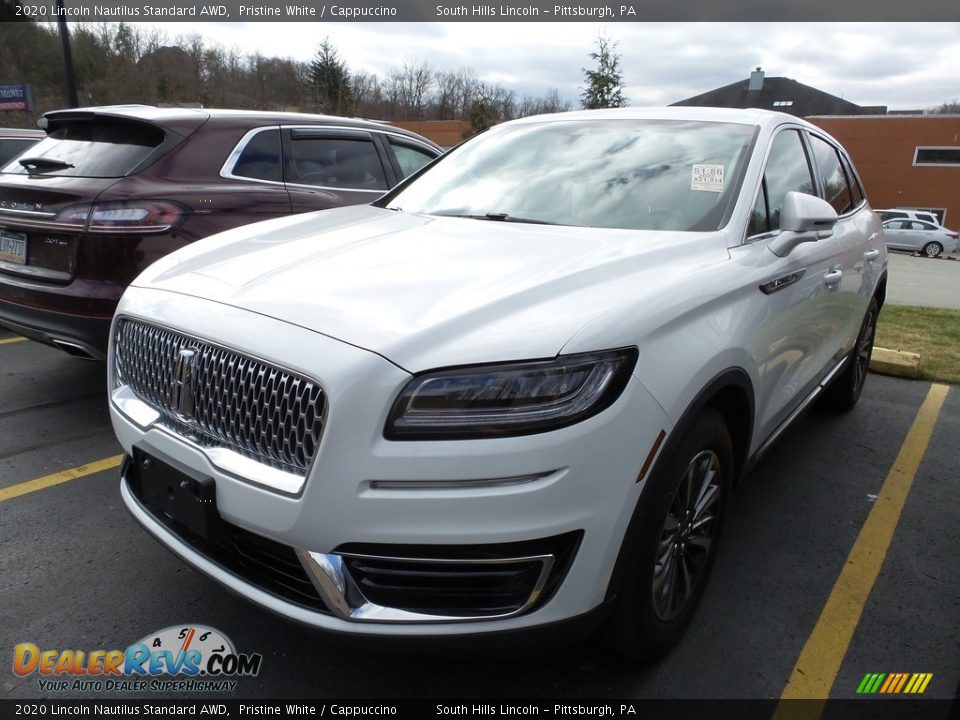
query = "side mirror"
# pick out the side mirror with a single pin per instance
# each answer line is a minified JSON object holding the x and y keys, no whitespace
{"x":804,"y":218}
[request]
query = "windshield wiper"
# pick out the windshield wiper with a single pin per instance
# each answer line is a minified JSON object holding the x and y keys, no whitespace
{"x":39,"y":164}
{"x":499,"y":217}
{"x":506,"y":217}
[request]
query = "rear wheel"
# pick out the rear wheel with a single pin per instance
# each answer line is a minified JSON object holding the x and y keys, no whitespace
{"x":672,"y":542}
{"x":843,"y":393}
{"x":932,"y":249}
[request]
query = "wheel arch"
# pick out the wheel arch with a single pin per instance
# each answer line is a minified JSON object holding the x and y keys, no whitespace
{"x":730,"y":393}
{"x":881,"y":292}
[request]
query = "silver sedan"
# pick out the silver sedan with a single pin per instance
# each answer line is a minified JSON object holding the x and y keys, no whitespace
{"x":916,"y":235}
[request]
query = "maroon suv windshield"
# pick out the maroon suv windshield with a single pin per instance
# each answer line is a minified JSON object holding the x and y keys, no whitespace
{"x":99,"y":147}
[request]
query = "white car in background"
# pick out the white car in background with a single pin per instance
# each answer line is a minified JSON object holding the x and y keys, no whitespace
{"x":919,"y":236}
{"x":514,"y":392}
{"x":897,"y":214}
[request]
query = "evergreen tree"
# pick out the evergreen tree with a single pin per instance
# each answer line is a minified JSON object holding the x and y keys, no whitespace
{"x":331,"y":81}
{"x":482,"y":116}
{"x":604,"y":84}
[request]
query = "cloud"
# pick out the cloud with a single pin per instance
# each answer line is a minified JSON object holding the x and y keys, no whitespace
{"x":895,"y":64}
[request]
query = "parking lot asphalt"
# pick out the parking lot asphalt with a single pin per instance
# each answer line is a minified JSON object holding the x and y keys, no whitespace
{"x":928,"y":282}
{"x":79,"y":573}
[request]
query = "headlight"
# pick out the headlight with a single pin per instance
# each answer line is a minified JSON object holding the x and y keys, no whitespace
{"x":509,"y":399}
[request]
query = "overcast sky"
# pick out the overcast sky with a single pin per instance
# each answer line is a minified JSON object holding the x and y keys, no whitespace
{"x":901,"y":65}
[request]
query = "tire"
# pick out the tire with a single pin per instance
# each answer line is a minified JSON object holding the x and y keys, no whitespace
{"x":666,"y":559}
{"x":843,"y":393}
{"x":932,"y":249}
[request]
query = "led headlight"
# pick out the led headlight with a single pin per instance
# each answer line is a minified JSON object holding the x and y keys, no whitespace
{"x":509,"y":399}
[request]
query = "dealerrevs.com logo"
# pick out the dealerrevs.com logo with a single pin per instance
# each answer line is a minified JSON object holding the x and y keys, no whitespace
{"x":199,"y":658}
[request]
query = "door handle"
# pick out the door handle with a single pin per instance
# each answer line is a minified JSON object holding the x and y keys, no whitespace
{"x":833,"y":277}
{"x":871,"y":255}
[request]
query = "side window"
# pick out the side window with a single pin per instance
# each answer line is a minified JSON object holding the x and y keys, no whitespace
{"x":787,"y":169}
{"x":410,"y":158}
{"x":897,"y":224}
{"x":337,"y":162}
{"x":260,"y":158}
{"x":835,"y":185}
{"x":858,"y":195}
{"x":759,"y":218}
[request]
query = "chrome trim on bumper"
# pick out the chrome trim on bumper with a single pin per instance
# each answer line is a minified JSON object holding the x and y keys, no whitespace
{"x":467,"y":484}
{"x":239,"y":466}
{"x":343,"y":597}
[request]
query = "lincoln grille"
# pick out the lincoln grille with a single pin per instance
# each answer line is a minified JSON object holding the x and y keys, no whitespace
{"x":225,"y":399}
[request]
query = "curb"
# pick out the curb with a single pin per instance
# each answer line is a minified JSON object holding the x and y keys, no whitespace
{"x":898,"y":363}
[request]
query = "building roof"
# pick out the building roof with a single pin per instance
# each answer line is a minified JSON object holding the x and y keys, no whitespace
{"x":781,"y":94}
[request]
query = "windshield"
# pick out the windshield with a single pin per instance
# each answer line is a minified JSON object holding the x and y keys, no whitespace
{"x":96,"y":148}
{"x":631,"y":174}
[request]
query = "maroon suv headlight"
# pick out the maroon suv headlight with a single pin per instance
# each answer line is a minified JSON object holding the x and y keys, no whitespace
{"x":124,"y":216}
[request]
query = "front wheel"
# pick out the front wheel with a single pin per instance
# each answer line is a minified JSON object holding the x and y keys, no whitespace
{"x":843,"y":393}
{"x":932,"y":249}
{"x":671,"y":544}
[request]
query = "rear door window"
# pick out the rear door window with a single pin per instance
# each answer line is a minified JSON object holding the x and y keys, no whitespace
{"x":835,"y":186}
{"x":409,"y":158}
{"x":98,"y":147}
{"x":858,"y":195}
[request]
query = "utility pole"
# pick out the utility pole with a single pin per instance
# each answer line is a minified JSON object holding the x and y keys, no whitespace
{"x":67,"y":56}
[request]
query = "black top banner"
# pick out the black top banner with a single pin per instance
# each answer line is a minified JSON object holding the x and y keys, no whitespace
{"x":480,"y":11}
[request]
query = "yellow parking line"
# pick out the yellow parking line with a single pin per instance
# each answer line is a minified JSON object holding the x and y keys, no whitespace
{"x":10,"y":341}
{"x":63,"y":476}
{"x":819,"y":662}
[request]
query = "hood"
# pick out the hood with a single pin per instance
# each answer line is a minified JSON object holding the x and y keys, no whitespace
{"x":428,"y":291}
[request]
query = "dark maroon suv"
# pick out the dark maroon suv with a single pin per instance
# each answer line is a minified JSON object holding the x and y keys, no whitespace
{"x":111,"y":189}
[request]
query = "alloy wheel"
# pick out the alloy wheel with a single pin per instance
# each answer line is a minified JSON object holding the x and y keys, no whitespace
{"x":688,"y":535}
{"x":864,"y":349}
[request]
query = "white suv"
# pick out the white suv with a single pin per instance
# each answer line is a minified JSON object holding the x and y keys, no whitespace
{"x":901,"y":214}
{"x":517,"y":390}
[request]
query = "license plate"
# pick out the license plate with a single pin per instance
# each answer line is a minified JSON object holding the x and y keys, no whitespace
{"x":177,"y":495}
{"x":13,"y":247}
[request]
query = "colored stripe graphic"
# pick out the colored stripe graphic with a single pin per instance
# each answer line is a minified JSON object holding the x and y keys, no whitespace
{"x":891,"y":680}
{"x":894,"y":683}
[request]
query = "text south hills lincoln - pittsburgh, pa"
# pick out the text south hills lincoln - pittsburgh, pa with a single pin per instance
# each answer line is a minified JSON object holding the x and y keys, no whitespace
{"x":598,"y":12}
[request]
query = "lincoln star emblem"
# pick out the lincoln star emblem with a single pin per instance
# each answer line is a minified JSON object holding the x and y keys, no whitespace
{"x":183,"y":383}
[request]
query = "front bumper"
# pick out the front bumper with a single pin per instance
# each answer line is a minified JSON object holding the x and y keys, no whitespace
{"x":363,"y":491}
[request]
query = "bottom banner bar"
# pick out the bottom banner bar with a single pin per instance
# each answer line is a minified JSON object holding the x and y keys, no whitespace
{"x":879,"y":709}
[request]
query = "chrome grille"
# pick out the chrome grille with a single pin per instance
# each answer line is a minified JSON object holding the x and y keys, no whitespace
{"x":235,"y":401}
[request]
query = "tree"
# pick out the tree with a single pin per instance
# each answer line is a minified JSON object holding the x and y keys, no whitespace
{"x":482,"y":115}
{"x":605,"y":84}
{"x":331,"y":81}
{"x":948,"y":108}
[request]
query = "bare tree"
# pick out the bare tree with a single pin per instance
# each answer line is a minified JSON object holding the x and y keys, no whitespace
{"x":947,"y":108}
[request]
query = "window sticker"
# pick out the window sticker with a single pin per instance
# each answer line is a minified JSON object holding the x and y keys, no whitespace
{"x":708,"y":178}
